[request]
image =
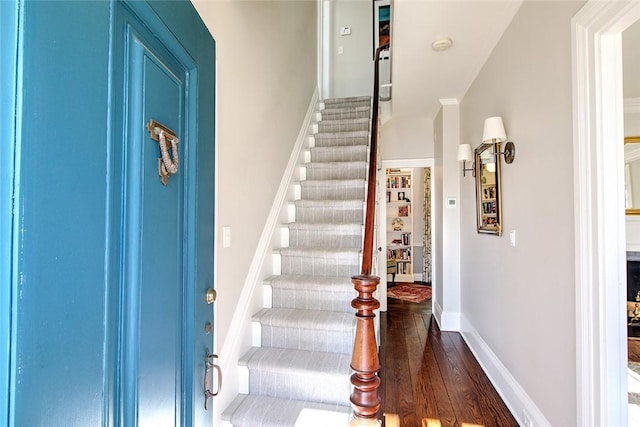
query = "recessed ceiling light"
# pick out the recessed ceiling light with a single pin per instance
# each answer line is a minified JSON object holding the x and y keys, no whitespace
{"x":441,"y":44}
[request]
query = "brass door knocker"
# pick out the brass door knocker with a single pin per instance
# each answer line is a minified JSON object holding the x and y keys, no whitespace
{"x":167,"y":165}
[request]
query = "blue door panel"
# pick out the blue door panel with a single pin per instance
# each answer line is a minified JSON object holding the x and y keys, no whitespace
{"x":108,"y":267}
{"x":58,"y":241}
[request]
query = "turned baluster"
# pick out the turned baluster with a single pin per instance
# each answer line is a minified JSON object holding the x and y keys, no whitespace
{"x":364,"y":398}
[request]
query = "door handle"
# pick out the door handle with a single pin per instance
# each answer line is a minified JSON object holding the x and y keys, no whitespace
{"x":209,"y":365}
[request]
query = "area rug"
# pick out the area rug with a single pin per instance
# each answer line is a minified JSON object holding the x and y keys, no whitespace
{"x":411,"y":293}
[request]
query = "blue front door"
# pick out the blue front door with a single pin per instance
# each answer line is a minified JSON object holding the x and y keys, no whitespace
{"x":110,"y":265}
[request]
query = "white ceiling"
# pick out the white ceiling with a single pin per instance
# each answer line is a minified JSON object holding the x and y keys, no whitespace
{"x":421,"y":76}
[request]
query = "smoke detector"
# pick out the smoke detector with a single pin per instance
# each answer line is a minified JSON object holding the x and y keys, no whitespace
{"x":442,"y":44}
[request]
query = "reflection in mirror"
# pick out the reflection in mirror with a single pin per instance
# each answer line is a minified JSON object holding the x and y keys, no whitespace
{"x":488,"y":197}
{"x":632,"y":175}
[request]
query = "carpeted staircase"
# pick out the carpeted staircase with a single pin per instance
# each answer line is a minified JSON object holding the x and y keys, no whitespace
{"x":307,"y":335}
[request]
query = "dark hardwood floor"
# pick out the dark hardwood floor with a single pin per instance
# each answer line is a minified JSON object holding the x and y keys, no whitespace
{"x":430,"y":378}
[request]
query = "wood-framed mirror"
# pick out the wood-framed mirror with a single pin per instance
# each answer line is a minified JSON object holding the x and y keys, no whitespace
{"x":488,"y":192}
{"x":632,"y":175}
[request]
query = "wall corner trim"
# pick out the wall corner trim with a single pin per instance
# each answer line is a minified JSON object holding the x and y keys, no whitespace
{"x":450,"y":321}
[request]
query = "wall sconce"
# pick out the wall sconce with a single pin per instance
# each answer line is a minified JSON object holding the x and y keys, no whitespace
{"x":493,"y":133}
{"x":465,"y":155}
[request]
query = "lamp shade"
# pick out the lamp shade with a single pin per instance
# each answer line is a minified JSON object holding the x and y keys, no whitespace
{"x":464,"y":152}
{"x":494,"y":130}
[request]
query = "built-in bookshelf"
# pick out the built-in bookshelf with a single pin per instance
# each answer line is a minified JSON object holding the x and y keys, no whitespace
{"x":400,"y":222}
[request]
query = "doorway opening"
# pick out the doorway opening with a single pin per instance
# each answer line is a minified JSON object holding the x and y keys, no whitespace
{"x":405,"y":235}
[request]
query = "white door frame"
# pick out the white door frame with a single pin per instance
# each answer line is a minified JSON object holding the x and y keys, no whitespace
{"x":381,"y":214}
{"x":601,"y":351}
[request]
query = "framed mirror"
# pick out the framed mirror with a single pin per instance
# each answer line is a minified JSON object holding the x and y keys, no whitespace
{"x":488,"y":196}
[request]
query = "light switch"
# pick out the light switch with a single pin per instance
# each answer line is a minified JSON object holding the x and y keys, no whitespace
{"x":226,"y":236}
{"x":512,"y":238}
{"x":345,"y":31}
{"x":340,"y":50}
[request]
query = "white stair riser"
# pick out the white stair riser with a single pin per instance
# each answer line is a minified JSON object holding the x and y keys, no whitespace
{"x":243,"y":379}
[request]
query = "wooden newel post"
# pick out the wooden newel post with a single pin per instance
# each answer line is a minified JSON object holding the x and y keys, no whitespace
{"x":364,"y":398}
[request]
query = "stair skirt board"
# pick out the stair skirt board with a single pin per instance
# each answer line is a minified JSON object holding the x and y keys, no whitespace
{"x":306,"y":336}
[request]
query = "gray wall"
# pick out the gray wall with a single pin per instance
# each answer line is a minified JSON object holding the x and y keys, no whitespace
{"x":352,"y":70}
{"x":521,"y":300}
{"x":266,"y":79}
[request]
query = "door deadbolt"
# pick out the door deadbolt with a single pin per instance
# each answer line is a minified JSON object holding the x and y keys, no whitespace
{"x":211,"y":295}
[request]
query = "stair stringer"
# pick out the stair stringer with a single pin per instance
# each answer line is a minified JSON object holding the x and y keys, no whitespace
{"x":252,"y":295}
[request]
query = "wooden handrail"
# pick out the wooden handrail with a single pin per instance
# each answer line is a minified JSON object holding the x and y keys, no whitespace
{"x":365,"y":362}
{"x":367,"y":247}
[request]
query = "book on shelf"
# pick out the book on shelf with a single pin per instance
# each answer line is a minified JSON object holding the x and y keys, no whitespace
{"x":398,"y":182}
{"x":400,"y":254}
{"x":404,"y":268}
{"x":406,"y":239}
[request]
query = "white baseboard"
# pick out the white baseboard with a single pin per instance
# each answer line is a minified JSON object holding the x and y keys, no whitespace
{"x":251,"y":296}
{"x":517,"y":400}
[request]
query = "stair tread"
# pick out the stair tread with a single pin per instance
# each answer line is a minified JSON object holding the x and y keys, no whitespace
{"x":337,"y":226}
{"x":315,"y":182}
{"x":306,"y":319}
{"x":253,"y":410}
{"x":319,"y":251}
{"x":338,"y":109}
{"x":319,"y":165}
{"x":354,"y":203}
{"x":361,"y":147}
{"x":347,"y":99}
{"x":294,"y":281}
{"x":361,"y":120}
{"x":342,"y":134}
